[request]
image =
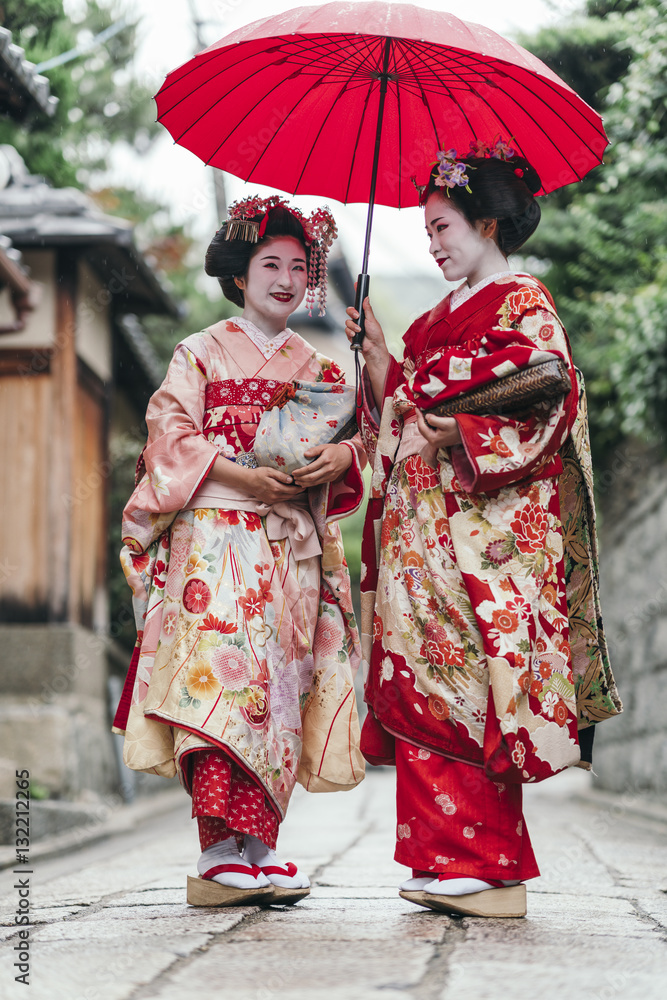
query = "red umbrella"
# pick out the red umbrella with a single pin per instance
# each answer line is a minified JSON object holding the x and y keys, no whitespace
{"x":349,"y":101}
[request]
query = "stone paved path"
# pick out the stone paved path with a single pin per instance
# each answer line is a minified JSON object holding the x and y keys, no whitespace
{"x":112,"y":922}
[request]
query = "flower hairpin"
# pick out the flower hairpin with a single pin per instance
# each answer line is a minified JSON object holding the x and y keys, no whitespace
{"x":452,"y":171}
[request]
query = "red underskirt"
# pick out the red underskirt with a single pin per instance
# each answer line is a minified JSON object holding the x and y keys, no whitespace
{"x":227,"y":802}
{"x":452,"y":819}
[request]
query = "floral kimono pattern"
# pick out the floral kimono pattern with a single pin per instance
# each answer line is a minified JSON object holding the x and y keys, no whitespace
{"x":246,"y":635}
{"x":468,"y":592}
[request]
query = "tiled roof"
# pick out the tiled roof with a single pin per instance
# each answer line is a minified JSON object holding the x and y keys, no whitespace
{"x":22,"y":90}
{"x":34,"y":214}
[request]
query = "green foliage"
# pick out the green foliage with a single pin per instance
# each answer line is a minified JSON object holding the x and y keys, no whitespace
{"x":605,"y":241}
{"x":123,"y":454}
{"x":585,"y":52}
{"x":101,"y":100}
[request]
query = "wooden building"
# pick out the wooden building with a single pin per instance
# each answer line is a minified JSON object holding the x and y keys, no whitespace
{"x":78,"y":367}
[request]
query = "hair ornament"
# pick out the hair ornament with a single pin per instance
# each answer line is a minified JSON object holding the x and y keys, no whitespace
{"x":247,"y":220}
{"x":452,"y":170}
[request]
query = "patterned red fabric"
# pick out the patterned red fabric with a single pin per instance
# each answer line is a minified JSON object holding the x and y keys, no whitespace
{"x":452,"y":819}
{"x":241,"y":392}
{"x":226,"y":801}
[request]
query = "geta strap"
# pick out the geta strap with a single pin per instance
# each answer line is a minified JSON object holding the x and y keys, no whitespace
{"x":290,"y":868}
{"x":253,"y":870}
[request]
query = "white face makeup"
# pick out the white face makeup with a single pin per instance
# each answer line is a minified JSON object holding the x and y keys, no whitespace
{"x":459,"y":249}
{"x":275,"y":284}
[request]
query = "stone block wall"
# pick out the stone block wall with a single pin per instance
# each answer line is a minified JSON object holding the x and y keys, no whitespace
{"x":631,"y":750}
{"x":53,"y":710}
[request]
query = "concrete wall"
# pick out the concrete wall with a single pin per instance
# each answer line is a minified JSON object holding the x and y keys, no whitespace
{"x":631,"y":751}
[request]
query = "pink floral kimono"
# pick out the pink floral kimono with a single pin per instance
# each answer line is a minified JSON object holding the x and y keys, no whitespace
{"x":481,"y":619}
{"x":247,"y":641}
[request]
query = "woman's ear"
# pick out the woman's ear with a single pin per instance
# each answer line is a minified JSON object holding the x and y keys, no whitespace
{"x":240,"y":283}
{"x":488,"y":228}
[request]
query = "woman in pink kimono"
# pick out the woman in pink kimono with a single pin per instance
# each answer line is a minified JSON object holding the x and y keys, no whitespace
{"x":241,"y":680}
{"x":481,"y":625}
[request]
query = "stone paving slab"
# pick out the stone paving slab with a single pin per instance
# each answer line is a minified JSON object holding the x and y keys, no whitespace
{"x":112,"y":922}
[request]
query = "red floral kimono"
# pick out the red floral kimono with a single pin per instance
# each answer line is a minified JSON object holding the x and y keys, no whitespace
{"x":471,"y":601}
{"x":247,"y":642}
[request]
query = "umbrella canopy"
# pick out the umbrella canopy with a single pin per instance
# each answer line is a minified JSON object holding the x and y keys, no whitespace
{"x":296,"y":101}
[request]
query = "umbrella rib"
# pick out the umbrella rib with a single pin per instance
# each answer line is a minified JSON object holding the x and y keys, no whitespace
{"x":466,"y":86}
{"x":223,"y":97}
{"x":406,"y":55}
{"x":226,"y":69}
{"x":316,"y":139}
{"x":533,"y":119}
{"x":361,"y":125}
{"x":525,"y":111}
{"x":284,"y":122}
{"x":202,"y":62}
{"x":494,"y":112}
{"x":573,"y":107}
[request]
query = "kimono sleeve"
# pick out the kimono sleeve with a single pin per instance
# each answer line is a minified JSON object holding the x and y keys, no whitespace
{"x":177,"y":456}
{"x":497,"y":451}
{"x":344,"y":497}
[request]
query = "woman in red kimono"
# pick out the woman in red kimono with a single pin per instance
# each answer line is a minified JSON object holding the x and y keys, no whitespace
{"x":242,"y":678}
{"x":487,"y":666}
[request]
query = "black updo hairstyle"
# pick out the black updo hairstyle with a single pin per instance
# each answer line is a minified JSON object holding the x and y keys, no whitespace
{"x":502,"y":190}
{"x":228,"y":259}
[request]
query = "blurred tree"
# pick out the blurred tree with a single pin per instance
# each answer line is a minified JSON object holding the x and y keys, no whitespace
{"x":604,"y":242}
{"x":101,"y":99}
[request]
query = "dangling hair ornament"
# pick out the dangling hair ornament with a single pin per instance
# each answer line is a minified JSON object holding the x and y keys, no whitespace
{"x":451,"y":171}
{"x":247,"y":221}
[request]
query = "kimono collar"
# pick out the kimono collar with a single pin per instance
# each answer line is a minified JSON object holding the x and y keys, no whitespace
{"x":267,"y":346}
{"x":465,"y":292}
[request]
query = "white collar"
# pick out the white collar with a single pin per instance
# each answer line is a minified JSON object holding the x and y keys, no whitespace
{"x":465,"y":292}
{"x":267,"y":346}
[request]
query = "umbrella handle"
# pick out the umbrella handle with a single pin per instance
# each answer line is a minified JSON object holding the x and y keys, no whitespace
{"x":363,"y":284}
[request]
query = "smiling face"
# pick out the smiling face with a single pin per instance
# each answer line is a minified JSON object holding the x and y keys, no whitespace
{"x":459,"y":249}
{"x":275,"y":283}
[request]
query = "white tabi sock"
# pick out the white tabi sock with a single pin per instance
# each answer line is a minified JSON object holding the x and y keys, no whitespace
{"x":415,"y":884}
{"x":226,"y":852}
{"x":259,"y":854}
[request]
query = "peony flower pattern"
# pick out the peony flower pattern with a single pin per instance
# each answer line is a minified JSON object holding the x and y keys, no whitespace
{"x":530,"y":527}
